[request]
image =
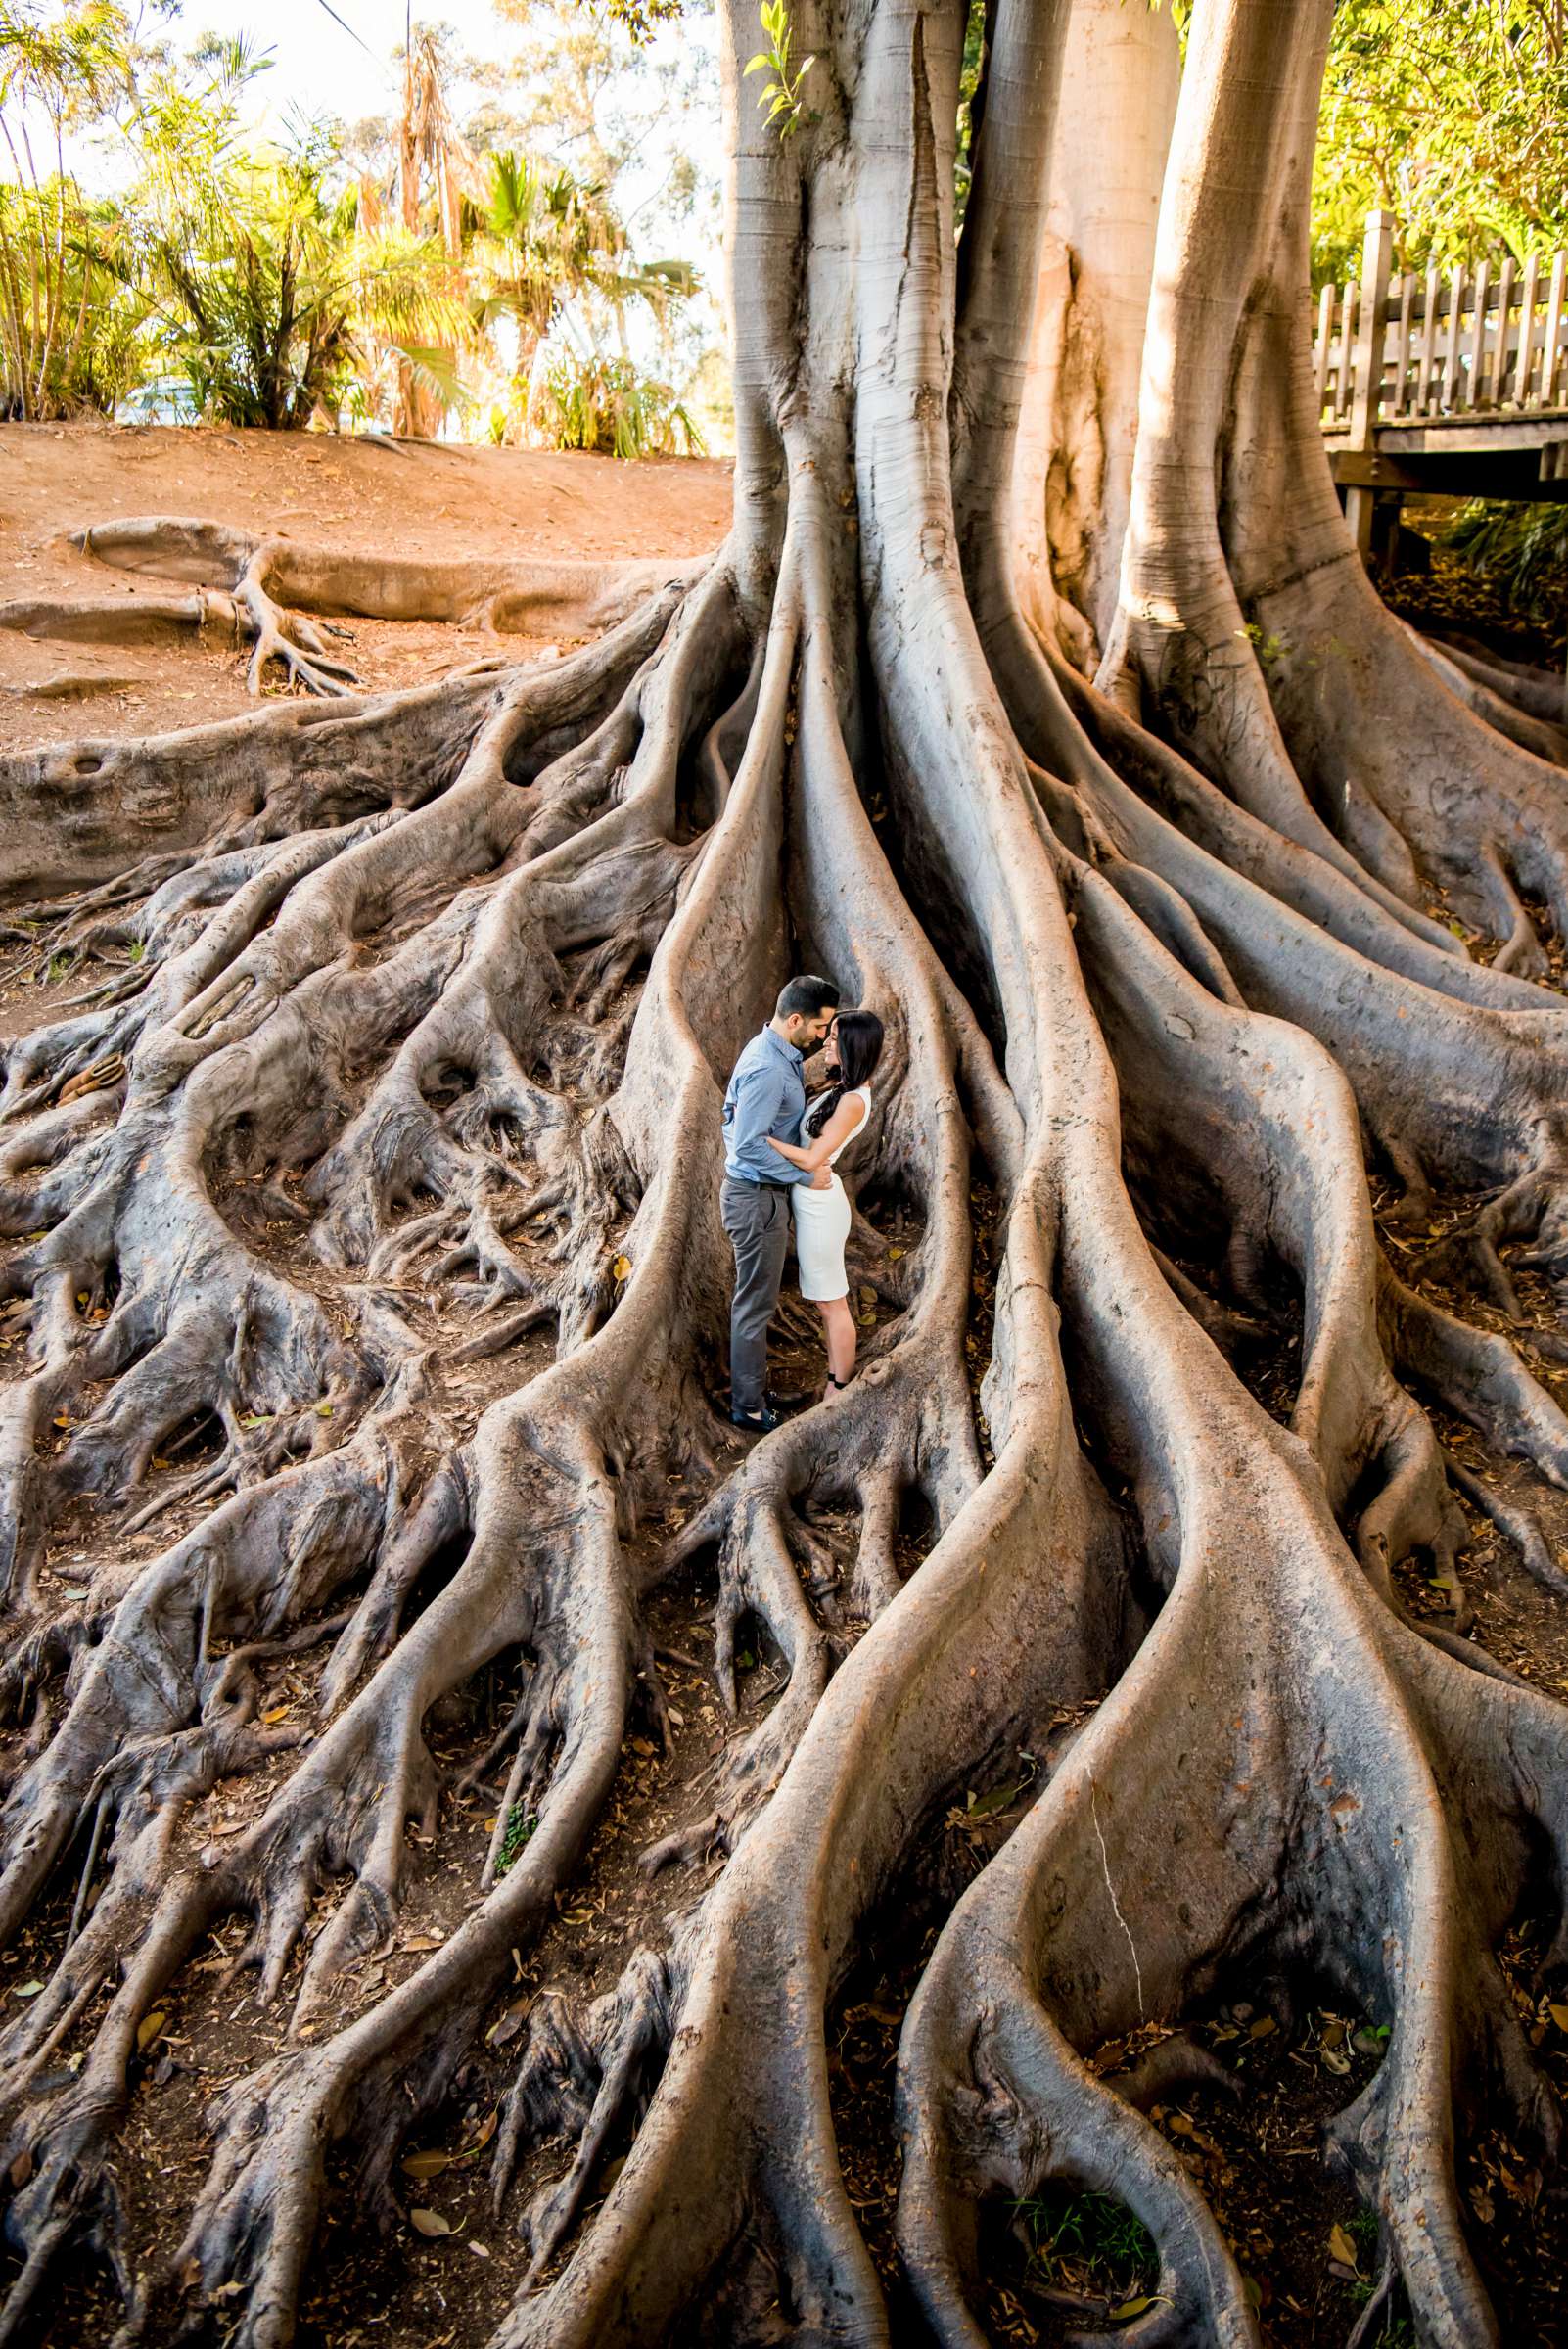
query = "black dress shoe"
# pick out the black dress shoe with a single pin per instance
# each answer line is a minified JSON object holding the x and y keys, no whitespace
{"x":759,"y":1422}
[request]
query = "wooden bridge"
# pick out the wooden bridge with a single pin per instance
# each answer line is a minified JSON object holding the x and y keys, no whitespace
{"x":1454,"y":381}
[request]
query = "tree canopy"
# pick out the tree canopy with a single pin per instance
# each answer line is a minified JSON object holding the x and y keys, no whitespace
{"x":396,"y":272}
{"x":1452,"y":116}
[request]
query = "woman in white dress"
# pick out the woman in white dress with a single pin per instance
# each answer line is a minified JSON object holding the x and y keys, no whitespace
{"x":822,"y":1217}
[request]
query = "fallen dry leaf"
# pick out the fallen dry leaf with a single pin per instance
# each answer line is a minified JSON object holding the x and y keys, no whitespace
{"x":429,"y":2221}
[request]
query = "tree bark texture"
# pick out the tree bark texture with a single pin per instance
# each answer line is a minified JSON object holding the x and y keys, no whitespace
{"x":1073,"y":470}
{"x":446,"y":985}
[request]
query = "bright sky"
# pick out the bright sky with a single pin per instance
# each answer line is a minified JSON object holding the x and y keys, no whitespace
{"x":320,"y":68}
{"x":341,"y":61}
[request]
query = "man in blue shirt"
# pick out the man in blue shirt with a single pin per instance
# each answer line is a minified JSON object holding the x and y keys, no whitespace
{"x":767,"y":1095}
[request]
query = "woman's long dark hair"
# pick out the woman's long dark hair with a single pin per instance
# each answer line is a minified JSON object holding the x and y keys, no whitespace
{"x":860,"y":1040}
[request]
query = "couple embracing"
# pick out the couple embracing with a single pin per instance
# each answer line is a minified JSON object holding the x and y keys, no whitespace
{"x":778,"y":1163}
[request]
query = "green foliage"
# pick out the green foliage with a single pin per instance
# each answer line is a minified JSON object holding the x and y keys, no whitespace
{"x":67,"y":340}
{"x":642,"y":17}
{"x":781,"y":96}
{"x":256,"y":282}
{"x":605,"y":405}
{"x":265,"y":316}
{"x":266,"y":291}
{"x":547,"y":249}
{"x":543,"y":238}
{"x":1093,"y":2234}
{"x":74,"y":64}
{"x":1269,"y":647}
{"x":1521,"y":549}
{"x":519,"y":1825}
{"x":71,"y":328}
{"x":971,"y":74}
{"x":1453,"y":118}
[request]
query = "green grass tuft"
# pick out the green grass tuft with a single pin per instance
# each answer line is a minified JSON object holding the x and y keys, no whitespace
{"x":519,"y":1825}
{"x":1066,"y":2224}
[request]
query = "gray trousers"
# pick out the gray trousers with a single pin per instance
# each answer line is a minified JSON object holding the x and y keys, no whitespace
{"x":756,"y":1217}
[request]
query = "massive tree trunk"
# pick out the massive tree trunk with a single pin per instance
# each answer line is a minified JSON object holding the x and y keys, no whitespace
{"x":1073,"y":468}
{"x":443,"y":989}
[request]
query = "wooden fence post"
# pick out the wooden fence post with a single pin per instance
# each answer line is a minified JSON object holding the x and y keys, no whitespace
{"x":1378,"y":260}
{"x":1548,"y":356}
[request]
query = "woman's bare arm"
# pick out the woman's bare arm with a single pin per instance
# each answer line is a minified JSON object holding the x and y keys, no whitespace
{"x":838,"y":1127}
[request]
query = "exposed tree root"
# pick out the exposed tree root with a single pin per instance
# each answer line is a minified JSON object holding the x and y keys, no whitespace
{"x":1503,"y":702}
{"x":255,"y":589}
{"x":1539,"y":692}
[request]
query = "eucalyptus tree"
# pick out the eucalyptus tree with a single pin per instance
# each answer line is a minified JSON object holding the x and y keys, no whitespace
{"x":442,"y":986}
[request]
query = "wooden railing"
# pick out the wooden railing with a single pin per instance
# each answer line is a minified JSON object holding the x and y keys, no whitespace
{"x":1492,"y":340}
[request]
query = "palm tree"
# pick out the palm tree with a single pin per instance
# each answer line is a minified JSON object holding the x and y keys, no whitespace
{"x":430,"y":149}
{"x":271,"y":296}
{"x":540,"y":242}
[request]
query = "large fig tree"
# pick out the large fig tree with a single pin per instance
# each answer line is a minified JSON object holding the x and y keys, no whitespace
{"x":404,"y":1089}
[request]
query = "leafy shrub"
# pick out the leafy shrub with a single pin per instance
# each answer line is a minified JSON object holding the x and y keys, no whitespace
{"x":71,"y":329}
{"x":607,"y":406}
{"x":1520,"y":548}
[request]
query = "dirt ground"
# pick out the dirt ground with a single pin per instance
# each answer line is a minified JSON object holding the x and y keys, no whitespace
{"x":364,"y":496}
{"x":1284,"y":2060}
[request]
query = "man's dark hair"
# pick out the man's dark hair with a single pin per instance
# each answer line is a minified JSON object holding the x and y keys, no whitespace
{"x":807,"y":998}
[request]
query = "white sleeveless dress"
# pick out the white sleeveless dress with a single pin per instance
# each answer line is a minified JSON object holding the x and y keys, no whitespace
{"x":822,"y":1224}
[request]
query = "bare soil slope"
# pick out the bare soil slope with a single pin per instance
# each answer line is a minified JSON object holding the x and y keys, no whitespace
{"x":412,"y":498}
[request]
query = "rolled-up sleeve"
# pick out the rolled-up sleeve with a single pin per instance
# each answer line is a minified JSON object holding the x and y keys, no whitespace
{"x":759,"y":1105}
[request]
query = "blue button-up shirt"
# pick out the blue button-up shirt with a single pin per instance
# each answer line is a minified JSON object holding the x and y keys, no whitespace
{"x":767,"y":1095}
